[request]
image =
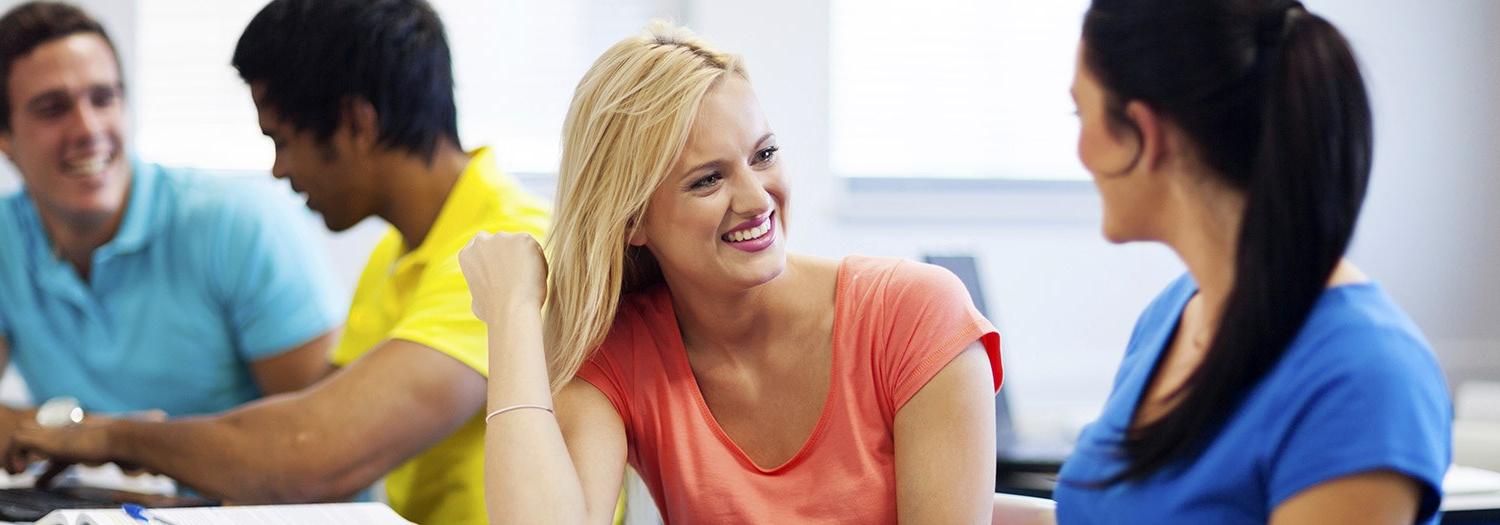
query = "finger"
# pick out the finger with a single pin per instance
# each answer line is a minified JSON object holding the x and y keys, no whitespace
{"x":15,"y":462}
{"x":134,"y":470}
{"x":54,"y":469}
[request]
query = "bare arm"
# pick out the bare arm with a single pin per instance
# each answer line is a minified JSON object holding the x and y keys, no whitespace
{"x":945,"y":445}
{"x":539,"y":468}
{"x":10,"y":418}
{"x":1370,"y":497}
{"x":323,"y":443}
{"x":297,"y":368}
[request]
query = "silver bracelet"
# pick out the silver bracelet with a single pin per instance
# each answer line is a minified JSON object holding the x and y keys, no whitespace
{"x":515,"y":407}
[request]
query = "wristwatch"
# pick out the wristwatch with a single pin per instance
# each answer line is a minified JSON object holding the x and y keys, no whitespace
{"x":61,"y":411}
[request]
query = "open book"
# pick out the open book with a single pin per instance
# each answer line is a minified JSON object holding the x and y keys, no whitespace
{"x":325,"y":513}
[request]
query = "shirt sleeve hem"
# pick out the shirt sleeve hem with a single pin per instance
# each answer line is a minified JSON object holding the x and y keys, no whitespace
{"x":976,"y":330}
{"x":478,"y":363}
{"x":1410,"y":467}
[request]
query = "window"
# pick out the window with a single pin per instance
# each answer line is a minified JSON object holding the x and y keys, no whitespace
{"x":954,"y":89}
{"x":515,"y":65}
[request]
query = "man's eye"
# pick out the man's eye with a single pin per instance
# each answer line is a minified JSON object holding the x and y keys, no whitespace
{"x":51,"y":111}
{"x":103,"y":97}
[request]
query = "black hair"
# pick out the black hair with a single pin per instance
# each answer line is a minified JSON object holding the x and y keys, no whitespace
{"x":32,"y":24}
{"x":1272,"y":97}
{"x":312,"y":56}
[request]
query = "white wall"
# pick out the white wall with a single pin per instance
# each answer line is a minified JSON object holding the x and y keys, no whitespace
{"x":1064,"y":299}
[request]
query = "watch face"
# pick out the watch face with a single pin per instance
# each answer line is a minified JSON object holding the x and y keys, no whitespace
{"x":59,"y":412}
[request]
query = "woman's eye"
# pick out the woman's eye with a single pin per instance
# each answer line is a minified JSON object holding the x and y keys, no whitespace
{"x":707,"y":181}
{"x":766,"y":155}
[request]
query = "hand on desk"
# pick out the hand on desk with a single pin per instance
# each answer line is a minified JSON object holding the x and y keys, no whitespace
{"x":88,"y":442}
{"x":10,"y":422}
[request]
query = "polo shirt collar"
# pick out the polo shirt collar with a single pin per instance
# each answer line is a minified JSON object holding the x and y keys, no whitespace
{"x":470,"y":201}
{"x":142,"y":216}
{"x":140,"y":222}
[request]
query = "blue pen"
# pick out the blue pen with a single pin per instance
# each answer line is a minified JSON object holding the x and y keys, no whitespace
{"x":142,"y":515}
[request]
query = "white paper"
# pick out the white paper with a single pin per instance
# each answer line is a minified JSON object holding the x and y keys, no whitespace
{"x":325,"y":513}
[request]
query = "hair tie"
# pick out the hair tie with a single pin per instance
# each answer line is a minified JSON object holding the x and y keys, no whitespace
{"x":1276,"y":23}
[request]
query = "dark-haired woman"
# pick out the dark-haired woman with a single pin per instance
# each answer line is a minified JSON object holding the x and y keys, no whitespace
{"x":1275,"y":382}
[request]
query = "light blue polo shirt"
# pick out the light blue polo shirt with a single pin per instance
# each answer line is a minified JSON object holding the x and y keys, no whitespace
{"x":1358,"y":390}
{"x":205,"y":275}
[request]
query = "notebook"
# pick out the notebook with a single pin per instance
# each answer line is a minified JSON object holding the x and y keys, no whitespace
{"x":367,"y":513}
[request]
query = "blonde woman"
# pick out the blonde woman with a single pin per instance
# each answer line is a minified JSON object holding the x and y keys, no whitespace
{"x":743,"y":383}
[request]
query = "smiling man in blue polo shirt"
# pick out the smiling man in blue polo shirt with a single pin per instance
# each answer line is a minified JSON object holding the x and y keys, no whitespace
{"x":127,"y":285}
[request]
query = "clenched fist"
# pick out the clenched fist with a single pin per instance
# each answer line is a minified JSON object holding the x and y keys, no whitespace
{"x":504,"y":271}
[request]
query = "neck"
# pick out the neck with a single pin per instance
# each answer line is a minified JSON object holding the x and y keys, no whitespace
{"x":415,"y":190}
{"x":1205,"y":234}
{"x":74,"y":237}
{"x":744,"y":323}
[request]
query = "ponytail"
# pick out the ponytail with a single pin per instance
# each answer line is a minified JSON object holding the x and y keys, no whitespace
{"x":1302,"y":160}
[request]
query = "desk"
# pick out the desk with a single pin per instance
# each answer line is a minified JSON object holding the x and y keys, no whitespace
{"x":1462,"y":508}
{"x":1472,"y":508}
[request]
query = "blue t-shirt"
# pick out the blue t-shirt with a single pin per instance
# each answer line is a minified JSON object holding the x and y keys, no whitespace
{"x":1357,"y":390}
{"x":205,"y":275}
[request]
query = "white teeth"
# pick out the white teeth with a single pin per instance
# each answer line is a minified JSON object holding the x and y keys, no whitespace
{"x":748,"y":234}
{"x":88,"y":166}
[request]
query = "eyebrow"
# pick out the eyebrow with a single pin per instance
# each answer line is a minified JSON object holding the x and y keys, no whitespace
{"x":715,"y":164}
{"x":54,"y":94}
{"x":764,"y":138}
{"x":46,"y":97}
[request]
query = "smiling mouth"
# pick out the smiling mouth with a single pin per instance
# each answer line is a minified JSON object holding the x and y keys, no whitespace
{"x":751,"y":233}
{"x":89,"y":166}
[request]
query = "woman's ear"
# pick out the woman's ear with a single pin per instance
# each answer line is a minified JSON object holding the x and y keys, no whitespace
{"x":637,"y":233}
{"x":1149,"y":133}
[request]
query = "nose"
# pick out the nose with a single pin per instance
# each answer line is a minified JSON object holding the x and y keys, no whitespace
{"x":88,"y":123}
{"x":279,"y":168}
{"x":749,"y":198}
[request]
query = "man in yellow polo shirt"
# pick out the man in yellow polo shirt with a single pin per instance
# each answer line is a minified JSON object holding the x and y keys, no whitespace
{"x":357,"y":96}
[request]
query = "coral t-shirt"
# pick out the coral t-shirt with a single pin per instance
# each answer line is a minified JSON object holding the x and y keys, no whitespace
{"x":896,"y":325}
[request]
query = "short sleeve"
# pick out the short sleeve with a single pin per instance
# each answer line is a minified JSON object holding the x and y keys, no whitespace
{"x":1381,"y":405}
{"x":606,"y":374}
{"x":277,"y":290}
{"x":441,"y":317}
{"x":929,"y":319}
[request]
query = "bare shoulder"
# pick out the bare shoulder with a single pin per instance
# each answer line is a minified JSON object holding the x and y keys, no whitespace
{"x":814,"y":273}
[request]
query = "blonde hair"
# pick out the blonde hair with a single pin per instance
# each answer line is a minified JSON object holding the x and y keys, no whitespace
{"x":628,"y":122}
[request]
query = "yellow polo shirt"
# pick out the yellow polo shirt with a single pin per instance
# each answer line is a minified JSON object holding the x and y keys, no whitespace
{"x":421,"y":296}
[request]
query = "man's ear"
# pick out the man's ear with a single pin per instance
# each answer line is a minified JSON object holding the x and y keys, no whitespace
{"x":360,"y":123}
{"x":6,"y":145}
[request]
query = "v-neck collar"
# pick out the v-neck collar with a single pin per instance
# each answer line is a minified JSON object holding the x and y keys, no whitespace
{"x":682,"y":369}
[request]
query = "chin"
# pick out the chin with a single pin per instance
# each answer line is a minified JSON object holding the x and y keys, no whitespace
{"x":99,"y":204}
{"x":335,"y":223}
{"x":768,"y":270}
{"x":1112,"y":235}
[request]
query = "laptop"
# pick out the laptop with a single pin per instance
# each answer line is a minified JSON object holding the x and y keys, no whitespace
{"x":1017,"y":454}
